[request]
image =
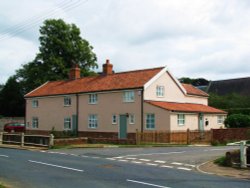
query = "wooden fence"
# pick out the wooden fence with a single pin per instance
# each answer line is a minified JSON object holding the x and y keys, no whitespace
{"x":175,"y":137}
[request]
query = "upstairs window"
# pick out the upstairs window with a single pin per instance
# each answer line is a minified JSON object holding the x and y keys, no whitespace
{"x":150,"y":121}
{"x":93,"y":121}
{"x":160,"y":91}
{"x":67,"y":123}
{"x":181,"y":119}
{"x":93,"y":98}
{"x":67,"y":101}
{"x":129,"y":96}
{"x":35,"y":122}
{"x":35,"y":103}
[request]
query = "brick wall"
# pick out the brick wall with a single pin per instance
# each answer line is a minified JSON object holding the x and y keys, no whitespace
{"x":232,"y":134}
{"x":70,"y":141}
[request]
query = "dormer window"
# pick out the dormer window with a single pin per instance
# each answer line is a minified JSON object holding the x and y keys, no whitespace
{"x":67,"y":101}
{"x":160,"y":91}
{"x":35,"y":103}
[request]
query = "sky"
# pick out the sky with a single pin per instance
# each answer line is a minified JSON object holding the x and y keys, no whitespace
{"x":193,"y":38}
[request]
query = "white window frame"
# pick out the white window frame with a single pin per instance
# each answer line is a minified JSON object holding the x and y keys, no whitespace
{"x":35,"y":122}
{"x":67,"y":101}
{"x":150,"y":121}
{"x":93,"y":98}
{"x":114,"y":119}
{"x":220,"y":119}
{"x":128,"y":96}
{"x":67,"y":123}
{"x":35,"y":103}
{"x":160,"y":90}
{"x":92,"y":121}
{"x":181,"y":119}
{"x":131,"y":119}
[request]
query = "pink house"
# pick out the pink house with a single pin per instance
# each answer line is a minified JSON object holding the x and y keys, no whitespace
{"x":118,"y":104}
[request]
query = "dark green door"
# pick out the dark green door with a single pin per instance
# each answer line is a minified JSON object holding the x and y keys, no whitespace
{"x":201,"y":122}
{"x":123,"y":127}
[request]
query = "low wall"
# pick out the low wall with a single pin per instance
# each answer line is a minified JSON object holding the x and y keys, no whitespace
{"x":231,"y":134}
{"x":70,"y":141}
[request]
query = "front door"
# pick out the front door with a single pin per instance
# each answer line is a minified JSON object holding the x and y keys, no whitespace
{"x":123,"y":127}
{"x":201,"y":122}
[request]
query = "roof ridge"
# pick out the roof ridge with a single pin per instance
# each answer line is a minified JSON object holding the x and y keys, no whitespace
{"x":138,"y":70}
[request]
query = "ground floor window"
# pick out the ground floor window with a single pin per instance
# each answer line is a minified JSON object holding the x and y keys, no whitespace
{"x":131,"y":119}
{"x":181,"y":119}
{"x":114,"y":119}
{"x":150,"y":121}
{"x":93,"y":121}
{"x":35,"y":122}
{"x":220,"y":119}
{"x":67,"y":123}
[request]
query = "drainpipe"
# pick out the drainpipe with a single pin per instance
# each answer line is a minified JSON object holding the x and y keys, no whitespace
{"x":77,"y":113}
{"x":142,"y":110}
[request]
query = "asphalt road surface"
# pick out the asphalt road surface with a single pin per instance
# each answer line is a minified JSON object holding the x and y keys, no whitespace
{"x":173,"y":167}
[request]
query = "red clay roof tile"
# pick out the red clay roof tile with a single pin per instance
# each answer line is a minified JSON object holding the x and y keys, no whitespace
{"x":123,"y":80}
{"x":191,"y":90}
{"x":185,"y":107}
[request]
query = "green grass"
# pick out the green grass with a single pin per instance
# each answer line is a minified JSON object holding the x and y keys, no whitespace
{"x":2,"y":186}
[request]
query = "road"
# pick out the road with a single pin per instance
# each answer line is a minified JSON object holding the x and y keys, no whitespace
{"x":172,"y":167}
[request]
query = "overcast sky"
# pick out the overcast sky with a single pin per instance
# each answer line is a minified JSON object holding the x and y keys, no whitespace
{"x":193,"y":38}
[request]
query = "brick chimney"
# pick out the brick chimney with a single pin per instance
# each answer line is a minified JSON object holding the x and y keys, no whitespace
{"x":107,"y":68}
{"x":75,"y":72}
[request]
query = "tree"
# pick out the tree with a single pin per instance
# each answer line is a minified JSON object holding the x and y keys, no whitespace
{"x":237,"y":121}
{"x":60,"y":46}
{"x":194,"y":81}
{"x":11,"y":99}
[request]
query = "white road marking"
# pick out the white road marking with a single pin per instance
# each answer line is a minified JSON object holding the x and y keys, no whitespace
{"x":73,"y":154}
{"x":112,"y":159}
{"x":165,"y":166}
{"x":160,"y":162}
{"x":147,"y":160}
{"x":175,"y":163}
{"x":144,"y":183}
{"x":63,"y":153}
{"x":137,"y":162}
{"x":151,"y":164}
{"x":222,"y":149}
{"x":181,"y":168}
{"x":52,"y":152}
{"x":4,"y":156}
{"x":47,"y":164}
{"x":43,"y":151}
{"x":198,"y":168}
{"x":131,"y":158}
{"x":190,"y":165}
{"x":118,"y":157}
{"x":95,"y":157}
{"x":144,"y":154}
{"x":123,"y":160}
{"x":84,"y":156}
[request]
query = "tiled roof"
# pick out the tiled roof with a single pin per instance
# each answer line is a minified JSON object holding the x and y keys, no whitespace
{"x":123,"y":80}
{"x":185,"y":107}
{"x":191,"y":90}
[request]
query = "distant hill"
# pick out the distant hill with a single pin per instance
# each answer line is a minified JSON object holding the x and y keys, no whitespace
{"x":239,"y":86}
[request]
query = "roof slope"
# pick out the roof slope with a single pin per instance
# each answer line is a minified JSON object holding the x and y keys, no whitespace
{"x":185,"y":107}
{"x":123,"y":80}
{"x":191,"y":90}
{"x":223,"y":87}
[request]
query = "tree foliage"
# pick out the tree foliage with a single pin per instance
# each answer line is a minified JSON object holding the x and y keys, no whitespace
{"x":11,"y":99}
{"x":237,"y":121}
{"x":194,"y":81}
{"x":60,"y":46}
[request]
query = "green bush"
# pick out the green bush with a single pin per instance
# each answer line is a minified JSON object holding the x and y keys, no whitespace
{"x":237,"y":121}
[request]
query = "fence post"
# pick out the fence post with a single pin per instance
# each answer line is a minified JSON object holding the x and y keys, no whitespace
{"x":137,"y":141}
{"x":243,"y":156}
{"x":1,"y":137}
{"x":188,"y":136}
{"x":22,"y":139}
{"x":51,"y":140}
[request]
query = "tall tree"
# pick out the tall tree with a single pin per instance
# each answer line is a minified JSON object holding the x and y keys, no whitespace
{"x":11,"y":99}
{"x":60,"y":46}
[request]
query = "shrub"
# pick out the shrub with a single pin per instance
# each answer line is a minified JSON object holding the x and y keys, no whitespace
{"x":237,"y":121}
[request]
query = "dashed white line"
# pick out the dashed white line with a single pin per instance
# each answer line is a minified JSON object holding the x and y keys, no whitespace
{"x":193,"y":166}
{"x":165,"y":166}
{"x":4,"y":156}
{"x":118,"y":157}
{"x":131,"y":158}
{"x":160,"y":162}
{"x":123,"y":160}
{"x":144,"y":154}
{"x":151,"y":164}
{"x":58,"y":166}
{"x":175,"y":163}
{"x":146,"y":160}
{"x":85,"y":156}
{"x":181,"y":168}
{"x":95,"y":157}
{"x":73,"y":154}
{"x":112,"y":159}
{"x":136,"y":162}
{"x":145,"y":183}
